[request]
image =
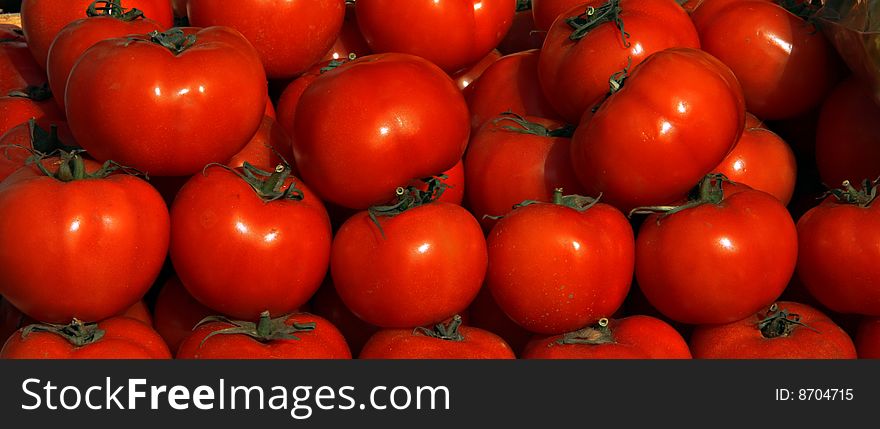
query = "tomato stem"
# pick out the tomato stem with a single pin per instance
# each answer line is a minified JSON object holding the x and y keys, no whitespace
{"x":77,"y":333}
{"x":594,"y":17}
{"x":443,"y":331}
{"x":709,"y":191}
{"x":409,"y":198}
{"x":780,"y":323}
{"x":615,"y":83}
{"x":268,"y":186}
{"x":174,"y":40}
{"x":333,"y":64}
{"x":525,"y":126}
{"x":595,"y":335}
{"x":264,"y":330}
{"x":850,"y":195}
{"x":113,"y":9}
{"x":72,"y":167}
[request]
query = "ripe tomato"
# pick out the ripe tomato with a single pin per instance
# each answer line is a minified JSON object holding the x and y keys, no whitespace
{"x":787,"y":330}
{"x":719,"y":258}
{"x":574,"y":72}
{"x":545,"y":12}
{"x":290,"y":36}
{"x":118,"y":220}
{"x":634,"y":337}
{"x":455,"y":185}
{"x":654,"y":138}
{"x":26,"y":103}
{"x":17,"y":66}
{"x":386,"y":130}
{"x":464,"y":77}
{"x":838,"y":251}
{"x":350,"y":40}
{"x":450,"y":34}
{"x":868,"y":338}
{"x":244,"y":241}
{"x":204,"y":112}
{"x":444,"y":341}
{"x":762,"y":160}
{"x":294,"y":336}
{"x":17,"y":143}
{"x":327,"y":304}
{"x":113,"y":338}
{"x":177,"y":313}
{"x":289,"y":98}
{"x":265,"y":146}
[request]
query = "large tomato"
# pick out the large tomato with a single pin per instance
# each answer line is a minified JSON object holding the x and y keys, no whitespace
{"x":653,"y":139}
{"x":176,"y":313}
{"x":451,"y":34}
{"x":583,"y":51}
{"x":174,"y":123}
{"x":786,"y":330}
{"x":290,"y":36}
{"x":21,"y":105}
{"x":17,"y":66}
{"x":868,"y":338}
{"x":105,"y":234}
{"x":361,"y":131}
{"x":444,"y":341}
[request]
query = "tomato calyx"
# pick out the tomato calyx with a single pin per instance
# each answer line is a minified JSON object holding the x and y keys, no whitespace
{"x":592,"y":335}
{"x":71,"y":167}
{"x":77,"y":333}
{"x":265,"y":330}
{"x":35,"y":93}
{"x":615,"y":83}
{"x":335,"y":63}
{"x":525,"y":126}
{"x":594,"y":17}
{"x":409,"y":198}
{"x":113,"y":9}
{"x":268,"y":186}
{"x":780,"y":323}
{"x":174,"y":40}
{"x":850,"y":195}
{"x":43,"y":141}
{"x":443,"y":331}
{"x":709,"y":191}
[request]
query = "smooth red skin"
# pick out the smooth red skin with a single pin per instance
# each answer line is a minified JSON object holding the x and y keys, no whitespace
{"x":17,"y":66}
{"x":522,"y":35}
{"x":554,"y":269}
{"x":290,"y":36}
{"x":325,"y":342}
{"x":750,"y":37}
{"x":504,"y":168}
{"x":544,"y":12}
{"x":451,"y":34}
{"x":176,"y":313}
{"x":350,"y":39}
{"x":76,"y":37}
{"x":261,"y":150}
{"x":139,"y":311}
{"x":848,"y":135}
{"x":574,"y":74}
{"x":484,"y":313}
{"x":509,"y":84}
{"x":838,"y":254}
{"x":105,"y":265}
{"x":219,"y":88}
{"x":636,"y":337}
{"x":405,"y":344}
{"x":124,"y":338}
{"x":18,"y":110}
{"x":743,"y":340}
{"x":424,"y":118}
{"x":689,"y":272}
{"x":762,"y":160}
{"x":428,"y":267}
{"x":677,"y":116}
{"x":41,"y":20}
{"x":455,"y":182}
{"x":327,"y":304}
{"x":289,"y":99}
{"x":463,"y":78}
{"x":868,"y":338}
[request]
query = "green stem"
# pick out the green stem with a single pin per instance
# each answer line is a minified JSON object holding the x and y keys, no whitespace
{"x":77,"y":333}
{"x":860,"y":197}
{"x":525,"y":126}
{"x":594,"y":17}
{"x":266,"y":329}
{"x":409,"y":198}
{"x":709,"y":191}
{"x":35,"y":93}
{"x":113,"y":9}
{"x":71,"y":167}
{"x":444,"y":331}
{"x":174,"y":40}
{"x":780,"y":323}
{"x":593,"y":335}
{"x":268,"y":186}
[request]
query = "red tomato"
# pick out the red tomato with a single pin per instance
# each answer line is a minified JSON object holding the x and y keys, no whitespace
{"x":17,"y":66}
{"x":784,"y":64}
{"x":762,"y":160}
{"x":22,"y":105}
{"x":451,"y":34}
{"x":177,"y":313}
{"x":350,"y":40}
{"x":654,"y":138}
{"x":113,"y":338}
{"x":838,"y":251}
{"x":386,"y":130}
{"x":265,"y":146}
{"x":868,"y":338}
{"x":445,"y":341}
{"x":244,"y":241}
{"x":118,"y":220}
{"x":718,"y":259}
{"x":455,"y":185}
{"x":17,"y":143}
{"x":464,"y":77}
{"x":574,"y":73}
{"x":484,"y":313}
{"x":634,"y":337}
{"x":787,"y":330}
{"x":544,"y":12}
{"x":295,"y":336}
{"x":289,"y":98}
{"x":204,"y":112}
{"x":522,"y":35}
{"x":327,"y":304}
{"x":290,"y":36}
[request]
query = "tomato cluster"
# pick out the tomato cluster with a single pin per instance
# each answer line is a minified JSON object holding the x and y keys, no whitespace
{"x":471,"y":179}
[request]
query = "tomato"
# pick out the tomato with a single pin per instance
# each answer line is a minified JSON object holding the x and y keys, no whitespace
{"x":654,"y":138}
{"x":784,"y":64}
{"x":762,"y":160}
{"x":327,"y":304}
{"x":451,"y":34}
{"x":868,"y":338}
{"x":455,"y":185}
{"x":289,"y":98}
{"x":544,"y":12}
{"x":848,"y":135}
{"x":204,"y":112}
{"x":17,"y":143}
{"x":113,"y":338}
{"x":464,"y":77}
{"x":522,"y":35}
{"x":176,"y":313}
{"x":290,"y":36}
{"x":26,"y":103}
{"x":485,"y":314}
{"x":41,"y":20}
{"x":350,"y":40}
{"x":419,"y":262}
{"x":266,"y":148}
{"x":294,"y":336}
{"x":634,"y":337}
{"x":718,"y":259}
{"x":787,"y":330}
{"x":17,"y":66}
{"x":574,"y":73}
{"x":444,"y":341}
{"x":838,"y":252}
{"x":386,"y":130}
{"x":118,"y":220}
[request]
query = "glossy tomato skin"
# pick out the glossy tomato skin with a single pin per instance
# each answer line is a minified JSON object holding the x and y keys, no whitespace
{"x":124,"y":338}
{"x":650,"y":142}
{"x":289,"y":98}
{"x":15,"y":110}
{"x":185,"y":120}
{"x":635,"y":337}
{"x":743,"y":340}
{"x":265,"y":146}
{"x":465,"y":77}
{"x":176,"y":313}
{"x":714,"y":264}
{"x":428,"y":266}
{"x":762,"y":160}
{"x":574,"y":74}
{"x":324,"y":342}
{"x":350,"y":40}
{"x":451,"y":34}
{"x":17,"y":66}
{"x":868,"y":338}
{"x":404,"y":128}
{"x":406,"y":344}
{"x":120,"y":222}
{"x":239,"y":255}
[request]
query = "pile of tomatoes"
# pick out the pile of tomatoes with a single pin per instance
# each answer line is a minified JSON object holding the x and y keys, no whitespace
{"x":425,"y":179}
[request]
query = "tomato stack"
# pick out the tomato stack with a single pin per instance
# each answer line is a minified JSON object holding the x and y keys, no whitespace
{"x":554,"y":179}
